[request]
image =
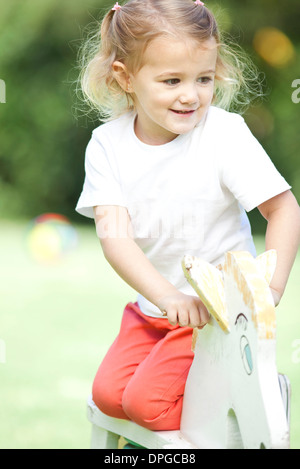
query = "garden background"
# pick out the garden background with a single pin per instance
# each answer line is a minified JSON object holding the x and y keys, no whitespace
{"x":58,"y":319}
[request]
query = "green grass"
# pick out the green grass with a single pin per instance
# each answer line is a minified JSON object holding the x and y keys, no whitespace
{"x":56,"y":324}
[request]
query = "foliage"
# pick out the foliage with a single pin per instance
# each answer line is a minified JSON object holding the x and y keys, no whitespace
{"x":42,"y":144}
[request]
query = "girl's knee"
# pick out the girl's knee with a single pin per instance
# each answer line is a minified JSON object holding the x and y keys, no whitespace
{"x":108,"y":399}
{"x":143,"y":409}
{"x":136,"y":407}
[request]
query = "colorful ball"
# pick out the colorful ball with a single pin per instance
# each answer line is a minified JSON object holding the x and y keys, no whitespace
{"x":50,"y":237}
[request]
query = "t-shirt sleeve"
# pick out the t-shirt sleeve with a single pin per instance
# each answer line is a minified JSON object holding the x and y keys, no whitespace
{"x":247,"y":171}
{"x":101,"y":185}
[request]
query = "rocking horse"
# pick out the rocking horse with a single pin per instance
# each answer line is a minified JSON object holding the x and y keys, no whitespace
{"x":234,"y":397}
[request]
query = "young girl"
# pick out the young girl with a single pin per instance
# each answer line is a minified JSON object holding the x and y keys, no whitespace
{"x":171,"y":173}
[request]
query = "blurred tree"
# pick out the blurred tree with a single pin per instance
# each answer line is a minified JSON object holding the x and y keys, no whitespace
{"x":275,"y":121}
{"x":42,"y":144}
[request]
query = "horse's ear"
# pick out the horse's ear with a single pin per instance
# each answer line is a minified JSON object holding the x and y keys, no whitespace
{"x":267,"y":263}
{"x":208,"y":283}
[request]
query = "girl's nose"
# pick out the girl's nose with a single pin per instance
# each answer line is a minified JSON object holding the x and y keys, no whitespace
{"x":189,"y":95}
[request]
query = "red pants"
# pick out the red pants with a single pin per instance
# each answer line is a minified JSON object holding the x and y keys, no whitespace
{"x":143,"y":375}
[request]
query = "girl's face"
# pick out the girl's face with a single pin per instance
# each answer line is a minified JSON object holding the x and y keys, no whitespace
{"x":174,"y":88}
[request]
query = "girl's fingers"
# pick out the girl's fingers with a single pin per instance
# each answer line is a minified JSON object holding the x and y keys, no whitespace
{"x":204,"y":316}
{"x":195,"y":317}
{"x":172,"y":316}
{"x":199,"y":316}
{"x":183,"y":318}
{"x":185,"y":311}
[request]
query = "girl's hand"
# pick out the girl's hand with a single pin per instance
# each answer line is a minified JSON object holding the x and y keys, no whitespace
{"x":185,"y":310}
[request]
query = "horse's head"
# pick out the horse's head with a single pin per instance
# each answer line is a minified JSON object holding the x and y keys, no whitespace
{"x":243,"y":276}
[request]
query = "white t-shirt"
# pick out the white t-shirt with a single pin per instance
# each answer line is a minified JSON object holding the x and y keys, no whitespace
{"x":188,"y":196}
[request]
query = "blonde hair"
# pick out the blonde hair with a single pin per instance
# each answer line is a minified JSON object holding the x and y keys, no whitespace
{"x":124,"y":35}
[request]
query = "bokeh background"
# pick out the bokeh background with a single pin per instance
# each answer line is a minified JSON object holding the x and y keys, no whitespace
{"x":59,"y":314}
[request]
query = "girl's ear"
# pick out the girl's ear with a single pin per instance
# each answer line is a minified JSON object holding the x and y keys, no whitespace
{"x":122,"y":76}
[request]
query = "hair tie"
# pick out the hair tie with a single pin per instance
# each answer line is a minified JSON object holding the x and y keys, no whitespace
{"x":197,"y":2}
{"x":116,"y":7}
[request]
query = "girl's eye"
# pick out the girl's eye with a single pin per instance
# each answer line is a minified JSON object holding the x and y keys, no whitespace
{"x":175,"y":81}
{"x":205,"y":80}
{"x":172,"y":81}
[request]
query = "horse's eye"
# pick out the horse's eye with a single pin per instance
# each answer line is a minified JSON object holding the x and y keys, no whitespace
{"x":246,"y":355}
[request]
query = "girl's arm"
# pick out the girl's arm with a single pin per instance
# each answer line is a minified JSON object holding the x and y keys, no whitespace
{"x":128,"y":260}
{"x":283,"y":234}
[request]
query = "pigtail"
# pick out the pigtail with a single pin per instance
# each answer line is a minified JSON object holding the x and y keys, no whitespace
{"x":238,"y":82}
{"x":99,"y":90}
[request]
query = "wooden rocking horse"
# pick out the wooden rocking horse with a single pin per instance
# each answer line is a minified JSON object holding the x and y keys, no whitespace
{"x":233,"y":396}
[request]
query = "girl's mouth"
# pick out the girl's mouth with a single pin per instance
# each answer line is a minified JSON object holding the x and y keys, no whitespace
{"x":183,"y":113}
